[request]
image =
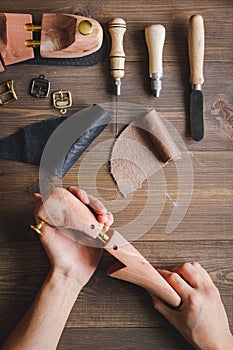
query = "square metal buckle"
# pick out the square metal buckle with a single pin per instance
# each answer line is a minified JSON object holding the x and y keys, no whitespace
{"x":62,"y":100}
{"x":7,"y":93}
{"x":40,"y":87}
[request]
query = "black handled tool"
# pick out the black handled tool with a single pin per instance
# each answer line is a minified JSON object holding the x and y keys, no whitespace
{"x":196,"y":59}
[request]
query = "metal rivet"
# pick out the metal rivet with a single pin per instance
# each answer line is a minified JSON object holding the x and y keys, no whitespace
{"x":85,"y":27}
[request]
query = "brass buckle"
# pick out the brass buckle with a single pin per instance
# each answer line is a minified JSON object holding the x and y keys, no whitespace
{"x":62,"y":100}
{"x":7,"y":93}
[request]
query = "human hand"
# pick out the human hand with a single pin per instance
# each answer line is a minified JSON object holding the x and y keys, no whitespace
{"x":67,"y":256}
{"x":102,"y":215}
{"x":201,"y":317}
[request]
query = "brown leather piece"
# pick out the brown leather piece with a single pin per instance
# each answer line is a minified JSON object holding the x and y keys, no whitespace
{"x":144,"y":147}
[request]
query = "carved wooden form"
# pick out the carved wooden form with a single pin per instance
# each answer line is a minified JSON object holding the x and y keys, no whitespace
{"x":133,"y":267}
{"x":13,"y":37}
{"x":65,"y":210}
{"x":60,"y":36}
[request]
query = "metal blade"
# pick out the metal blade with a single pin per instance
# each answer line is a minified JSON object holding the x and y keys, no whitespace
{"x":117,"y":101}
{"x":196,"y":115}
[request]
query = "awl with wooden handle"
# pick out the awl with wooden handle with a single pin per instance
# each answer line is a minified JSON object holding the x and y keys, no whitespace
{"x":196,"y":59}
{"x":117,"y":28}
{"x":155,"y":37}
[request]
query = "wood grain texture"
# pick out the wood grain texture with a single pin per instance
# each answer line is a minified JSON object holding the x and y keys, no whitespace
{"x":124,"y":339}
{"x":196,"y":44}
{"x":155,"y":37}
{"x":61,"y":38}
{"x":12,"y":40}
{"x":104,"y":301}
{"x":111,"y":311}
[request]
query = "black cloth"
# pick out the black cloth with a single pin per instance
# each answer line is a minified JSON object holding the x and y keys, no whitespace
{"x":28,"y":144}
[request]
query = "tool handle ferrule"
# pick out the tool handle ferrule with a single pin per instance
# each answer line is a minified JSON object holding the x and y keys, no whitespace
{"x":196,"y":42}
{"x":117,"y":28}
{"x":155,"y":38}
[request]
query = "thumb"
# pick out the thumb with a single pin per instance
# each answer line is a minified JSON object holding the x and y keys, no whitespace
{"x":47,"y":237}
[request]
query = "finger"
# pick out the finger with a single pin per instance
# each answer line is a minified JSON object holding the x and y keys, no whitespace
{"x":189,"y":273}
{"x":102,"y":218}
{"x":176,"y":282}
{"x":204,"y":276}
{"x":106,"y":219}
{"x":79,"y":193}
{"x":199,"y":268}
{"x":109,"y":221}
{"x":110,"y":218}
{"x":163,"y":308}
{"x":38,"y":198}
{"x":97,"y":205}
{"x":38,"y":201}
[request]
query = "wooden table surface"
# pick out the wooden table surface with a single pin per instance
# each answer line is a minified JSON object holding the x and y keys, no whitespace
{"x":111,"y":313}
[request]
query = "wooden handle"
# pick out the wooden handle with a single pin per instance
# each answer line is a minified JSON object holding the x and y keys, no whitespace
{"x":155,"y":37}
{"x":196,"y":49}
{"x":117,"y":29}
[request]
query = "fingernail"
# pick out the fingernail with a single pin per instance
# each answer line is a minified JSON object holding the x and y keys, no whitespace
{"x":85,"y":196}
{"x":101,"y":218}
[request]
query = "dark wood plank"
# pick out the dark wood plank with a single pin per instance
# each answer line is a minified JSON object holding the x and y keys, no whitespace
{"x":121,"y":338}
{"x":208,"y":216}
{"x":124,"y":339}
{"x":106,"y":302}
{"x":173,"y":103}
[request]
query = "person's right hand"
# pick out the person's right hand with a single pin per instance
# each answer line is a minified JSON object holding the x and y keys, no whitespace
{"x":67,"y":256}
{"x":201,"y":317}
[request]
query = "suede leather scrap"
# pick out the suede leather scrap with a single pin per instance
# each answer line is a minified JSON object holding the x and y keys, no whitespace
{"x":144,"y":147}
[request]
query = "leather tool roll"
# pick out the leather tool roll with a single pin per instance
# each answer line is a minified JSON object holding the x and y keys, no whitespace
{"x":28,"y":144}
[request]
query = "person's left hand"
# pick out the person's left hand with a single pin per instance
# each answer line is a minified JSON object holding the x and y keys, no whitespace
{"x":67,"y":256}
{"x":201,"y":317}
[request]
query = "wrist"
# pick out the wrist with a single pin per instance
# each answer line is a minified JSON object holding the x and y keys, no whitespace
{"x":226,"y":344}
{"x":229,"y":343}
{"x":60,"y":279}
